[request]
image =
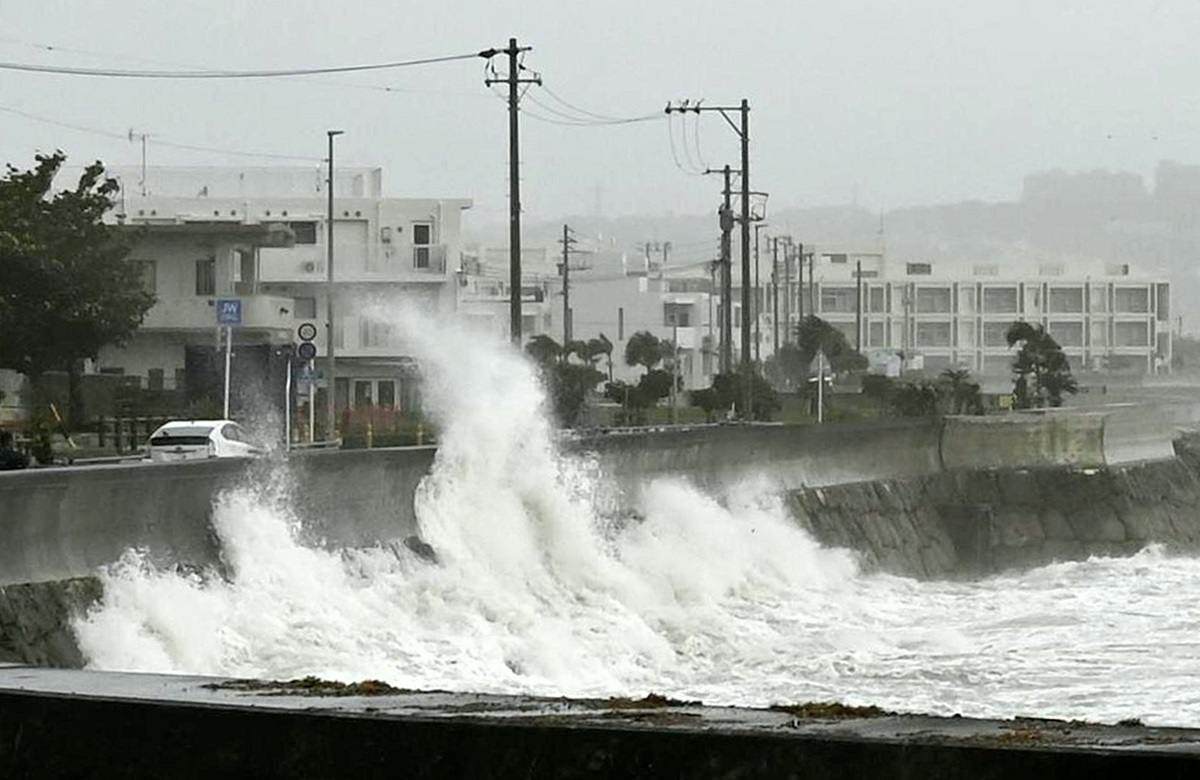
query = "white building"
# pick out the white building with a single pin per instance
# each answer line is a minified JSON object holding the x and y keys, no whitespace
{"x":484,"y":292}
{"x":260,"y":235}
{"x":1106,"y":316}
{"x":618,"y":300}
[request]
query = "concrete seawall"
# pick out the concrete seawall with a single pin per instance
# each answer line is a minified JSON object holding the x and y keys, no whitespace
{"x":60,"y":524}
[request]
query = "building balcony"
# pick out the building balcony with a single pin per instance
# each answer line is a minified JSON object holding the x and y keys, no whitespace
{"x":259,"y":312}
{"x":354,"y":263}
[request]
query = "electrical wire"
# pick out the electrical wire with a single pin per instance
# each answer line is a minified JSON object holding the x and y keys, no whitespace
{"x":154,"y":141}
{"x":226,"y":74}
{"x":696,"y":138}
{"x":675,"y":150}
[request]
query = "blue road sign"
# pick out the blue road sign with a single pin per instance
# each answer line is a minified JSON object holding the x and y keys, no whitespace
{"x":229,"y":311}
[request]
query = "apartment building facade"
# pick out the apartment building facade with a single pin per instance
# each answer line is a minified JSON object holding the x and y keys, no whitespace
{"x":260,"y":236}
{"x":1106,"y":316}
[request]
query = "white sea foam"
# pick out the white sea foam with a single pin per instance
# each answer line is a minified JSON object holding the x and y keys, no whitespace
{"x":722,"y":600}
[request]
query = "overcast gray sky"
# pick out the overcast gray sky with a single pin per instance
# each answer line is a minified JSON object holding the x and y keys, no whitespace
{"x":889,"y":103}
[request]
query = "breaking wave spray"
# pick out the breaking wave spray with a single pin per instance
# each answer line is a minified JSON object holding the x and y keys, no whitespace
{"x":537,"y":591}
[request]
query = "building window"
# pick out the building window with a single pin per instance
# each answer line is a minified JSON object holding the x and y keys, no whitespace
{"x":1098,"y":298}
{"x":387,"y":394}
{"x":838,"y":299}
{"x":934,"y":300}
{"x":155,"y":379}
{"x":529,"y":324}
{"x":875,"y":300}
{"x":933,"y":334}
{"x":1050,"y":269}
{"x":148,"y":273}
{"x":995,"y":334}
{"x":422,"y":238}
{"x":1067,"y":334}
{"x":966,"y":300}
{"x":677,"y":314}
{"x":206,"y":276}
{"x":1117,"y":269}
{"x":1131,"y":300}
{"x":919,"y":269}
{"x":837,"y":258}
{"x":304,"y":308}
{"x":1066,"y":300}
{"x":875,"y":335}
{"x":1000,"y":300}
{"x":988,"y":269}
{"x":1131,"y":334}
{"x":305,"y":232}
{"x":373,"y":333}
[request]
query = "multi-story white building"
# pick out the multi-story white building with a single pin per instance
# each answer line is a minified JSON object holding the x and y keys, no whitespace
{"x":260,"y":235}
{"x":1106,"y":316}
{"x":673,"y":304}
{"x":484,"y":285}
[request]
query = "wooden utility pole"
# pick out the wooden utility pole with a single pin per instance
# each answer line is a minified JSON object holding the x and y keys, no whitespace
{"x":514,"y":82}
{"x":775,"y":293}
{"x":858,"y":306}
{"x":567,"y":241}
{"x":726,"y":279}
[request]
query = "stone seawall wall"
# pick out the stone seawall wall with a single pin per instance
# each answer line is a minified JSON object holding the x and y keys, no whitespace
{"x":968,"y":523}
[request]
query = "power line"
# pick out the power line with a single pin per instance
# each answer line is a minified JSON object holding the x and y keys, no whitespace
{"x":170,"y":144}
{"x":322,"y":82}
{"x":226,"y":74}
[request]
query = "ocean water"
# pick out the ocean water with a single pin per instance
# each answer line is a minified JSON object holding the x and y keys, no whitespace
{"x":719,"y":598}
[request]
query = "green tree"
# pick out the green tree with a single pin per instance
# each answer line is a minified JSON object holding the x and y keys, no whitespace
{"x":1041,"y":371}
{"x":601,"y":347}
{"x":644,"y":349}
{"x":960,"y":392}
{"x":730,"y":391}
{"x":567,"y":384}
{"x":67,"y":285}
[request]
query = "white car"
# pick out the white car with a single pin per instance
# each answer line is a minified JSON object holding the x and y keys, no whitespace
{"x":200,"y":439}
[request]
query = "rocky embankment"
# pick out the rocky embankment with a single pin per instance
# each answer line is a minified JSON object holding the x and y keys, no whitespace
{"x":967,"y":523}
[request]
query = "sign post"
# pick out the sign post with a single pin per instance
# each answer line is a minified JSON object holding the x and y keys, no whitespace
{"x":307,"y":352}
{"x":229,"y":313}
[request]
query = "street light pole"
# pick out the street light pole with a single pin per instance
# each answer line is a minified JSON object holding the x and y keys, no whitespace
{"x":330,"y":349}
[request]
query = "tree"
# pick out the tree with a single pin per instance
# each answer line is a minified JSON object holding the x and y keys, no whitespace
{"x":601,"y":347}
{"x":961,"y":394}
{"x":544,"y":350}
{"x":730,"y":391}
{"x":814,"y":333}
{"x":1042,"y":373}
{"x":644,"y":349}
{"x":567,"y":384}
{"x":67,"y":285}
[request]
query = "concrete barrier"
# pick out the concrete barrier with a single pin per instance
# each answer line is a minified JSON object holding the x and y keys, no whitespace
{"x":58,"y":524}
{"x":789,"y":456}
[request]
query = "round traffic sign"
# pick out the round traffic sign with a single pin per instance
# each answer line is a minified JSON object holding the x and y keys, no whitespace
{"x":307,"y":331}
{"x":306,"y":350}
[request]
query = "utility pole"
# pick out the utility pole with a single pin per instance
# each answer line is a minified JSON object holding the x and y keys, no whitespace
{"x":799,"y":291}
{"x":514,"y":81}
{"x":726,"y":280}
{"x":812,"y":281}
{"x":758,"y":296}
{"x":743,"y":131}
{"x":787,"y":291}
{"x":567,"y":241}
{"x":330,"y":348}
{"x":858,"y":306}
{"x":745,"y":135}
{"x":775,"y":293}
